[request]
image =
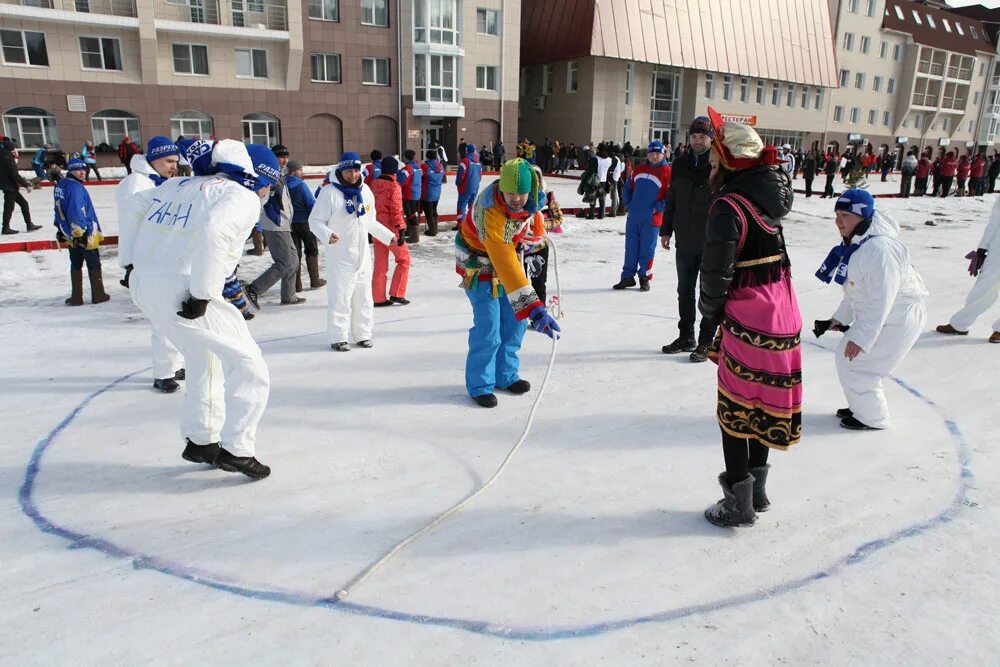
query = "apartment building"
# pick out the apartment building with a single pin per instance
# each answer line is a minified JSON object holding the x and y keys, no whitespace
{"x":630,"y":71}
{"x":912,"y":74}
{"x":320,"y":76}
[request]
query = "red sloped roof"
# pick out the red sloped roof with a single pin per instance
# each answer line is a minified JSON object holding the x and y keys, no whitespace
{"x":937,"y":37}
{"x":554,"y":30}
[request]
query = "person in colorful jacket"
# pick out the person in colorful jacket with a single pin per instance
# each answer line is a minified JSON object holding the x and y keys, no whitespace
{"x":389,"y":212}
{"x":470,"y":173}
{"x":645,"y":197}
{"x":977,"y":176}
{"x":433,"y":176}
{"x":411,"y":178}
{"x":502,"y":298}
{"x":535,"y":246}
{"x":78,"y":229}
{"x":89,"y":158}
{"x":374,"y":168}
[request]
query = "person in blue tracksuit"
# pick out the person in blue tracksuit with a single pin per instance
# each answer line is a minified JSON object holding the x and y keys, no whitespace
{"x":302,"y":205}
{"x":38,"y":164}
{"x":373,"y":170}
{"x":470,"y":173}
{"x":78,"y":229}
{"x":411,"y":179}
{"x":431,"y":194}
{"x":645,"y":197}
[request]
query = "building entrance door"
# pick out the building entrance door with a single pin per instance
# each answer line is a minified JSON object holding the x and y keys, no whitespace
{"x":432,"y":136}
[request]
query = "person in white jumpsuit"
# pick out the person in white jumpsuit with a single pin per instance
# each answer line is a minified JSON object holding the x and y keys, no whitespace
{"x":148,"y":171}
{"x":190,"y":237}
{"x":341,"y":220}
{"x":883,"y":307}
{"x":985,"y":266}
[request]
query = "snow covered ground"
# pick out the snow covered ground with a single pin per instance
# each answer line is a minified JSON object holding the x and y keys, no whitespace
{"x":591,"y":549}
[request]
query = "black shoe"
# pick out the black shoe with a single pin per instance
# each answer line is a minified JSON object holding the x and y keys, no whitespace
{"x":623,"y":283}
{"x":247,"y":465}
{"x":699,"y":354}
{"x":519,"y":387}
{"x":844,"y":413}
{"x":736,"y":507}
{"x":32,"y":227}
{"x":643,"y":284}
{"x":852,"y":424}
{"x":760,"y":501}
{"x":486,"y":400}
{"x":367,"y":344}
{"x":251,"y":293}
{"x":401,"y":300}
{"x":8,"y":231}
{"x":166,"y":385}
{"x":294,"y":302}
{"x":680,"y":345}
{"x":201,"y":453}
{"x":180,"y":375}
{"x":382,"y":304}
{"x":340,"y":347}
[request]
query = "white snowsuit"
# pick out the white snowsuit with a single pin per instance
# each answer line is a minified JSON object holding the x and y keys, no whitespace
{"x":883,"y":303}
{"x":166,"y":359}
{"x":350,"y":304}
{"x":190,"y":237}
{"x":984,"y":292}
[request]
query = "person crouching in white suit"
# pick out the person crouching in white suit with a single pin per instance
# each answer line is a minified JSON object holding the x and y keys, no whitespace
{"x":342,"y":219}
{"x":190,"y":237}
{"x":883,"y":309}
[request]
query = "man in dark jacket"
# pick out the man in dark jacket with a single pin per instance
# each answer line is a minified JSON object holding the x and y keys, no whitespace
{"x":686,"y":214}
{"x":10,"y":181}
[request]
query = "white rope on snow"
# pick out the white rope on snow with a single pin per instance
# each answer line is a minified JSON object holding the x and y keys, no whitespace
{"x":458,"y":507}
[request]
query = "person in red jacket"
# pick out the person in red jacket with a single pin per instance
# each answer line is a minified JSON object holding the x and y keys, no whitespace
{"x":389,"y":212}
{"x":949,"y":168}
{"x":978,"y":175}
{"x":964,"y":167}
{"x":921,"y":174}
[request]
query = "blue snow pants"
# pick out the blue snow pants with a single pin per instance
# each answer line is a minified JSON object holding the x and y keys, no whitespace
{"x":640,"y":248}
{"x":494,"y":341}
{"x":464,"y":202}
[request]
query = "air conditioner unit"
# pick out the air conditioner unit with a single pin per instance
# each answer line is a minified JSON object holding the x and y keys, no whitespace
{"x":540,"y":102}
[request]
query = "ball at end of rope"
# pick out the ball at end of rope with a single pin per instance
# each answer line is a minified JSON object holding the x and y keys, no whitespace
{"x":340,"y":595}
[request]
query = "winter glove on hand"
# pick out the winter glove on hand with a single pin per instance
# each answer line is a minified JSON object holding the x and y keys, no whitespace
{"x":402,"y":238}
{"x":124,"y":281}
{"x":60,"y":237}
{"x":980,"y":258}
{"x":544,"y":323}
{"x":193,"y":308}
{"x":79,"y":241}
{"x":820,"y":327}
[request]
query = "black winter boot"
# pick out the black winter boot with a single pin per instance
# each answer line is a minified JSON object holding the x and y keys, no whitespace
{"x":699,"y":354}
{"x":736,"y":508}
{"x":844,"y":413}
{"x":97,"y":293}
{"x":76,"y":285}
{"x":312,"y":264}
{"x":247,"y":465}
{"x":643,"y":284}
{"x":519,"y":387}
{"x":760,"y":501}
{"x":623,"y":283}
{"x":681,"y":344}
{"x":486,"y":400}
{"x":166,"y":385}
{"x":201,"y":453}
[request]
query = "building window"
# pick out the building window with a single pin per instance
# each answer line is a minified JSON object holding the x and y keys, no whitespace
{"x":434,"y":21}
{"x":727,"y":87}
{"x":375,"y":71}
{"x":958,"y":27}
{"x":859,"y":80}
{"x":982,"y":68}
{"x":375,"y":12}
{"x":819,"y":99}
{"x":838,"y":114}
{"x":760,"y":91}
{"x":790,"y":96}
{"x":775,"y":94}
{"x":261,"y":128}
{"x":709,"y":85}
{"x":916,"y":17}
{"x":24,"y":47}
{"x":435,"y":79}
{"x":970,"y":122}
{"x":877,"y":84}
{"x":976,"y":98}
{"x":972,"y":29}
{"x":548,"y":75}
{"x":664,"y":105}
{"x":251,"y":63}
{"x":845,"y":77}
{"x":897,"y":51}
{"x":866,"y":44}
{"x":744,"y":89}
{"x":885,"y":118}
{"x":629,"y":76}
{"x":101,"y":53}
{"x":324,"y":10}
{"x":852,"y":6}
{"x":325,"y":67}
{"x":855,"y":113}
{"x":30,"y":127}
{"x":190,"y":59}
{"x":871,"y":8}
{"x":805,"y":97}
{"x":890,"y":86}
{"x":488,"y":22}
{"x":486,"y":77}
{"x":572,"y":76}
{"x":883,"y":50}
{"x":111,"y":126}
{"x":945,"y":123}
{"x":849,"y":41}
{"x":916,"y":120}
{"x":872,"y":115}
{"x":192,"y":125}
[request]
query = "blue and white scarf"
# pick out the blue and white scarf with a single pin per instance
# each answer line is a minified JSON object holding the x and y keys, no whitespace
{"x":834,"y":267}
{"x":353,"y":201}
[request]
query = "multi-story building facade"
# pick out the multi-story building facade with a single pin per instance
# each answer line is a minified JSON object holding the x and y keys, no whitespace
{"x":320,"y":76}
{"x":627,"y":71}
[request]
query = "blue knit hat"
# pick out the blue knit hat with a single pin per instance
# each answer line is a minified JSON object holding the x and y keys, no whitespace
{"x":265,"y":163}
{"x":160,"y":147}
{"x":76,"y":164}
{"x":858,"y":202}
{"x":655,"y":146}
{"x":349,"y":160}
{"x":702,"y":125}
{"x":470,"y":149}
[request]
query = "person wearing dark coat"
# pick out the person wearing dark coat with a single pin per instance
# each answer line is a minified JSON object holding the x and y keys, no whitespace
{"x":809,"y":166}
{"x":10,"y":182}
{"x":685,"y":217}
{"x":993,"y":173}
{"x":830,"y":171}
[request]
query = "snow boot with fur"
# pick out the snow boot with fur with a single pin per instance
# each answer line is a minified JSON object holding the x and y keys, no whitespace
{"x":736,"y":507}
{"x":760,"y":500}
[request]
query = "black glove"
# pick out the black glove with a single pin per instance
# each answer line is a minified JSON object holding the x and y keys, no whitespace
{"x":193,"y":308}
{"x":980,"y":258}
{"x":60,"y":237}
{"x":124,"y":281}
{"x":79,"y":242}
{"x":402,"y":238}
{"x":822,"y":326}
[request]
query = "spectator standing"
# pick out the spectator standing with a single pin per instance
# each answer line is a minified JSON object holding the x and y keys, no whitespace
{"x":993,"y":172}
{"x":572,"y":157}
{"x":962,"y":174}
{"x":977,"y":174}
{"x":809,"y":167}
{"x":305,"y":243}
{"x":38,"y":165}
{"x":921,"y":175}
{"x":462,"y":146}
{"x":10,"y":183}
{"x":434,"y":175}
{"x":908,"y":169}
{"x":78,"y":229}
{"x":949,"y":169}
{"x":467,"y":180}
{"x":411,"y":178}
{"x":89,"y":156}
{"x":614,"y":177}
{"x":389,"y":212}
{"x":830,"y":165}
{"x":563,"y":159}
{"x":126,"y":149}
{"x":886,"y":166}
{"x":645,"y":198}
{"x":498,"y":155}
{"x":374,"y":168}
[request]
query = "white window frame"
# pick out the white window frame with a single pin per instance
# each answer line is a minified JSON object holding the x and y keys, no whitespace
{"x":485,"y":13}
{"x":818,"y":103}
{"x":190,"y":50}
{"x":709,"y":89}
{"x":573,"y":76}
{"x":916,"y":17}
{"x":947,"y":25}
{"x":203,"y":131}
{"x":100,"y":40}
{"x":852,"y":6}
{"x":548,"y":77}
{"x":744,"y":90}
{"x":872,"y":116}
{"x":859,"y":80}
{"x":855,"y":115}
{"x":434,"y":14}
{"x":871,"y":8}
{"x":369,"y":6}
{"x":486,"y":70}
{"x":877,"y":84}
{"x":253,"y":73}
{"x":727,"y":87}
{"x":47,"y":123}
{"x":761,"y":91}
{"x":325,"y":67}
{"x":270,"y":138}
{"x":886,"y":119}
{"x":897,"y":50}
{"x":958,"y":27}
{"x":848,"y":41}
{"x":899,"y":13}
{"x":790,"y":96}
{"x":890,"y":86}
{"x":804,"y":102}
{"x":845,"y":78}
{"x":375,"y":72}
{"x":629,"y":82}
{"x":866,"y":44}
{"x":945,"y":123}
{"x":917,"y":119}
{"x":976,"y":97}
{"x":24,"y":48}
{"x":838,"y":114}
{"x":323,"y":7}
{"x":775,"y":94}
{"x":931,"y":23}
{"x":883,"y":50}
{"x":129,"y":122}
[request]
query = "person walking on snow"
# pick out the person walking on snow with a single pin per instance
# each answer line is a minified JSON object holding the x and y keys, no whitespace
{"x":434,"y":175}
{"x":126,"y":149}
{"x":985,"y":268}
{"x":190,"y":237}
{"x":10,"y":183}
{"x":149,"y":171}
{"x":302,"y":204}
{"x":411,"y":178}
{"x":342,"y":219}
{"x":502,"y":298}
{"x":78,"y":229}
{"x":882,"y":312}
{"x":645,"y":198}
{"x":389,"y":212}
{"x":467,"y":180}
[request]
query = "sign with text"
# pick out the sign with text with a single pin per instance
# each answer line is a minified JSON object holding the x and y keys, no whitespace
{"x":944,"y":141}
{"x":902,"y":140}
{"x":854,"y":136}
{"x":735,"y":118}
{"x":413,"y":134}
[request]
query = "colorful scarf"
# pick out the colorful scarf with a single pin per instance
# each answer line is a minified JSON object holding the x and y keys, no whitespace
{"x":353,"y":201}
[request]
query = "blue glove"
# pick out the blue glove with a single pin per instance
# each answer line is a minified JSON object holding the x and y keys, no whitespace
{"x":544,"y":323}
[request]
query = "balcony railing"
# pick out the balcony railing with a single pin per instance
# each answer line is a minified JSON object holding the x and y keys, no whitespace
{"x":193,"y":11}
{"x":41,"y":4}
{"x":253,"y":14}
{"x":934,"y":69}
{"x":107,"y":7}
{"x":237,"y":13}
